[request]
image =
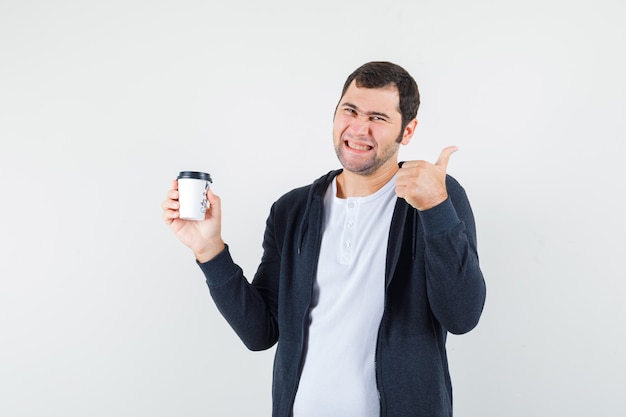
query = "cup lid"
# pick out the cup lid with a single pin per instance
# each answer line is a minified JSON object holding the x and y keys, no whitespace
{"x":195,"y":175}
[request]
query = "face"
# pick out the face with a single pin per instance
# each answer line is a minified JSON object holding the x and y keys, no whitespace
{"x":367,"y":129}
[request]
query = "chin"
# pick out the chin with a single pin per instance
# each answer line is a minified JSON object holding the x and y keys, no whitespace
{"x":362,"y":166}
{"x":361,"y":169}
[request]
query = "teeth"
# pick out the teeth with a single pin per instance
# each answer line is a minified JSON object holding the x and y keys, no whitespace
{"x":359,"y":147}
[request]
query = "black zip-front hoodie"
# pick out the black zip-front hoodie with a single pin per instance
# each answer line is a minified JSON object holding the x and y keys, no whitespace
{"x":433,"y":285}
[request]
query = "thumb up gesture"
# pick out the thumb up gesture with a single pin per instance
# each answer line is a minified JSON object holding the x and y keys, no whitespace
{"x":422,"y":184}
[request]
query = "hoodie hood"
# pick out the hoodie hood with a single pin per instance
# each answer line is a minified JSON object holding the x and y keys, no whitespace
{"x":316,"y":191}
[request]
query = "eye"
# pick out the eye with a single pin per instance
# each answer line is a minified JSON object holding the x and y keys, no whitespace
{"x":349,"y":110}
{"x":376,"y":118}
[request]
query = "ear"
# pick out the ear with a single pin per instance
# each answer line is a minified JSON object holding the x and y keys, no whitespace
{"x":408,"y":132}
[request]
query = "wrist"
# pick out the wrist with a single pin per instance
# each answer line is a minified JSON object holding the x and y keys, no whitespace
{"x":209,"y":251}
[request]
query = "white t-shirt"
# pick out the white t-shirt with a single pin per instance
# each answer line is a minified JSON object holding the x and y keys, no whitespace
{"x":338,"y":378}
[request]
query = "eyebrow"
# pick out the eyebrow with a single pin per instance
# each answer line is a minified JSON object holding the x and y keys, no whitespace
{"x":371,"y":113}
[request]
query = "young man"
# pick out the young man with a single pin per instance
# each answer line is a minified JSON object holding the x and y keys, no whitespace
{"x":363,"y":272}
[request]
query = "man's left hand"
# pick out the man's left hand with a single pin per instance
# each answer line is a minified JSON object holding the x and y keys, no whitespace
{"x":422,"y":184}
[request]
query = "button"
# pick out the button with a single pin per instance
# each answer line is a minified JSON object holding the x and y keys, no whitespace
{"x":350,"y":205}
{"x":347,"y":244}
{"x":349,"y":224}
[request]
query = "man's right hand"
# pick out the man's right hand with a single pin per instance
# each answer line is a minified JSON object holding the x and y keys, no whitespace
{"x":203,"y":237}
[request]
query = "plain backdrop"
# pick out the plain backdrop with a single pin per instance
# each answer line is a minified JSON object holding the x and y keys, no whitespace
{"x":104,"y":313}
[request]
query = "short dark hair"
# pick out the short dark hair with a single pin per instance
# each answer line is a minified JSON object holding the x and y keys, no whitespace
{"x":379,"y":74}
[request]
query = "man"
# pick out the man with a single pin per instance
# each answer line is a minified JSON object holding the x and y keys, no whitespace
{"x":363,"y":272}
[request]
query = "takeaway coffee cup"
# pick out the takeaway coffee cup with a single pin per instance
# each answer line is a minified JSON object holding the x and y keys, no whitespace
{"x":192,"y":187}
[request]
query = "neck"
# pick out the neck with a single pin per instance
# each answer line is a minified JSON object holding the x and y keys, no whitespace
{"x":351,"y":184}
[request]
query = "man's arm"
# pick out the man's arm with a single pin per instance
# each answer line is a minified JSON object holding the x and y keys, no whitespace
{"x":455,"y":284}
{"x":241,"y":304}
{"x":454,"y":280}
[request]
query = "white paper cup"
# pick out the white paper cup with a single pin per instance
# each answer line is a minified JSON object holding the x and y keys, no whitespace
{"x":192,"y":187}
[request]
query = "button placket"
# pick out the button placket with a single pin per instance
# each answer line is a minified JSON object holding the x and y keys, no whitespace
{"x":347,"y":245}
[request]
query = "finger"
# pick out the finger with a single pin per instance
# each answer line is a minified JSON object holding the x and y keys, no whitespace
{"x":214,"y":201}
{"x":172,"y":194}
{"x":171,"y":200}
{"x":211,"y":196}
{"x":401,"y":190}
{"x":170,"y":204}
{"x":406,"y":176}
{"x":170,"y":214}
{"x":410,"y":164}
{"x":444,"y":157}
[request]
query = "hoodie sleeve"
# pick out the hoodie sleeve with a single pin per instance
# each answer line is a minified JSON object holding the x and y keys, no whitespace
{"x":249,"y":308}
{"x":455,"y":283}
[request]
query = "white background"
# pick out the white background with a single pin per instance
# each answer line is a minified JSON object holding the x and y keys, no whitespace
{"x":104,"y":313}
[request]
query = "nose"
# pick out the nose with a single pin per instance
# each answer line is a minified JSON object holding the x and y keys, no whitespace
{"x":360,"y":125}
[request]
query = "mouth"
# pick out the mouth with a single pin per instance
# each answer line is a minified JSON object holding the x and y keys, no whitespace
{"x":357,"y":146}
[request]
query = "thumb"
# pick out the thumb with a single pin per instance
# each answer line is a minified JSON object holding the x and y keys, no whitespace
{"x":444,"y":156}
{"x":214,"y":201}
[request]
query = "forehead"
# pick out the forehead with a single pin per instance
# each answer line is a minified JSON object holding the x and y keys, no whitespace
{"x":385,"y":99}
